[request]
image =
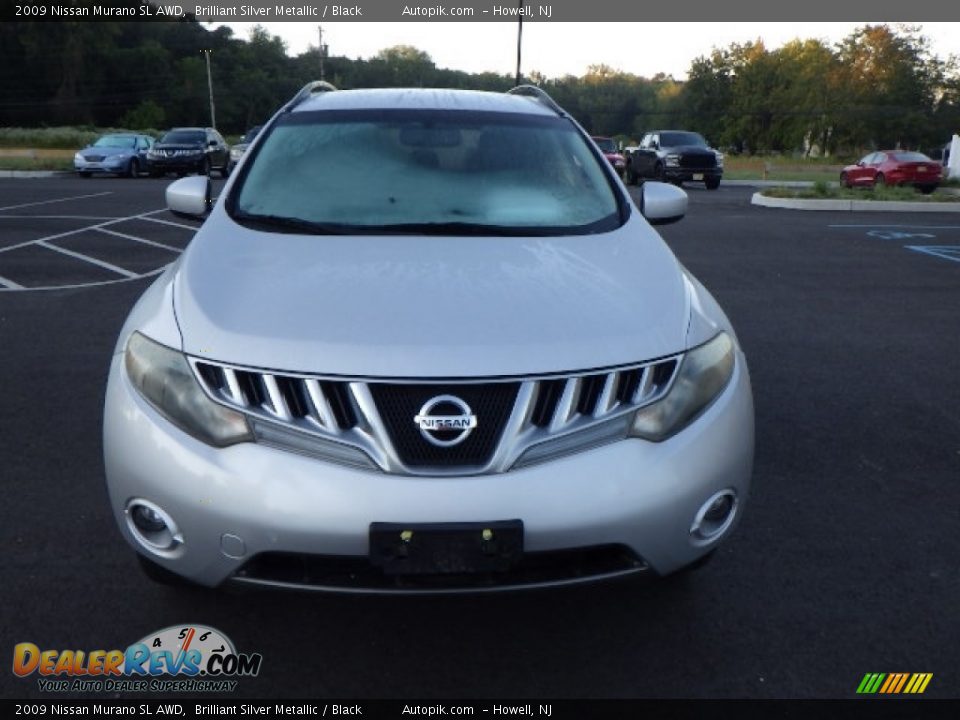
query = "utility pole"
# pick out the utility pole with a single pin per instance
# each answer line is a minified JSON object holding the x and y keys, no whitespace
{"x":322,"y":49}
{"x":213,"y":115}
{"x":519,"y":37}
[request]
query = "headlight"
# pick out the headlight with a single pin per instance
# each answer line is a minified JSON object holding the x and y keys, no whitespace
{"x":164,"y":379}
{"x":78,"y":158}
{"x":236,"y":153}
{"x":719,"y":159}
{"x":673,"y":160}
{"x":702,"y":376}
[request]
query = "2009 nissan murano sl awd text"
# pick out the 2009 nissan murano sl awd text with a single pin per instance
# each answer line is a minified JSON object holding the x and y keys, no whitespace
{"x":425,"y":341}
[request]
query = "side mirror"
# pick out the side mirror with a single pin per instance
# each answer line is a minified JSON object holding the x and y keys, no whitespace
{"x":662,"y":203}
{"x":212,"y":143}
{"x":190,"y":196}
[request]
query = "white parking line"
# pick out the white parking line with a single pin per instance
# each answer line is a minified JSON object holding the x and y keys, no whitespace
{"x":95,"y":226}
{"x":47,"y":202}
{"x":76,"y":286}
{"x":87,"y":258}
{"x":170,"y":222}
{"x":920,"y":227}
{"x":10,"y":284}
{"x":58,"y":217}
{"x":139,"y":239}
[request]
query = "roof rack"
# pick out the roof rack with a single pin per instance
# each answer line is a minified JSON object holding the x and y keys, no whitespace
{"x":538,"y":94}
{"x":308,"y":91}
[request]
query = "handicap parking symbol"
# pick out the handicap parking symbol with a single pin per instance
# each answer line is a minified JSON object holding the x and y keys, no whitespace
{"x":897,"y":235}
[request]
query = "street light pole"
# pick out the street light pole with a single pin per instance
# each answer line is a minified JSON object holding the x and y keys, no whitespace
{"x":519,"y":37}
{"x":213,"y":115}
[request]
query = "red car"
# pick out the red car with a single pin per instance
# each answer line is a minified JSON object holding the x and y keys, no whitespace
{"x":893,"y":167}
{"x":610,"y":151}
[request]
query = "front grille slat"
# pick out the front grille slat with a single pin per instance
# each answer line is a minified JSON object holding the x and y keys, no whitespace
{"x":234,"y":394}
{"x":320,"y":410}
{"x":608,"y":395}
{"x":567,"y":407}
{"x":377,"y":417}
{"x":275,"y":403}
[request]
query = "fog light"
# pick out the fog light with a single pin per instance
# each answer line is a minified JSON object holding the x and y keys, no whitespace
{"x":147,"y":519}
{"x":714,"y":517}
{"x":153,"y":528}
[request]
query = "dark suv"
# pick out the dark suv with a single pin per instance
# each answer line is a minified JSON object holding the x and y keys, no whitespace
{"x":184,"y":150}
{"x":675,"y":156}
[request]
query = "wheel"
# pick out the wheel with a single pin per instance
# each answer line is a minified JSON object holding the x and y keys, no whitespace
{"x":658,"y":173}
{"x":880,"y":181}
{"x":926,"y":189}
{"x":712,"y":183}
{"x":225,"y":171}
{"x":205,"y":167}
{"x":844,"y":180}
{"x":133,"y":170}
{"x":631,"y":176}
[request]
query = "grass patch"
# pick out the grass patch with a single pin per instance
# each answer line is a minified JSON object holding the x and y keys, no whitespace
{"x":37,"y":163}
{"x":764,"y":167}
{"x":884,"y":194}
{"x":67,"y":137}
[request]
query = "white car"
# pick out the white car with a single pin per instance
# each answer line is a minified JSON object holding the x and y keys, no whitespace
{"x":398,"y":356}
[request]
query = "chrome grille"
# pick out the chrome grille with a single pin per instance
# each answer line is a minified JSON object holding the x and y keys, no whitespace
{"x":698,"y":160}
{"x":369,"y":422}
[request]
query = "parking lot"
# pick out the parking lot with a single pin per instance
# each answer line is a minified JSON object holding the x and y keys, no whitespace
{"x":846,"y":561}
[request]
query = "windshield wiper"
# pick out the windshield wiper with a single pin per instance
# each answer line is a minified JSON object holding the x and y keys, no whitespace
{"x":294,"y":225}
{"x":452,"y":228}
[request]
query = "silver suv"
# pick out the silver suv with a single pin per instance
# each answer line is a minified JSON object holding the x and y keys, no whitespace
{"x":425,"y":341}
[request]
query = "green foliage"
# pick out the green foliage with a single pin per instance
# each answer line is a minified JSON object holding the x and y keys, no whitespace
{"x":145,"y":115}
{"x":881,"y":86}
{"x":883,"y":194}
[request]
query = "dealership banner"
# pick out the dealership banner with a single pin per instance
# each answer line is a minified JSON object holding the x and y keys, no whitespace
{"x":482,"y":11}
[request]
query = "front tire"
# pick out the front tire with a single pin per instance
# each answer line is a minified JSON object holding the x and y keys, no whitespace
{"x":844,"y":180}
{"x":880,"y":181}
{"x":205,"y":167}
{"x":133,"y":171}
{"x":927,"y":189}
{"x":712,"y":183}
{"x":659,"y":174}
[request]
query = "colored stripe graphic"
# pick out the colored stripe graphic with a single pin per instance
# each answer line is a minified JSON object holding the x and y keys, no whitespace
{"x":894,"y":683}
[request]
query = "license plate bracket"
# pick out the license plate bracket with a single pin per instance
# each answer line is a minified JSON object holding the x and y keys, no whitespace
{"x":446,"y":548}
{"x":698,"y":176}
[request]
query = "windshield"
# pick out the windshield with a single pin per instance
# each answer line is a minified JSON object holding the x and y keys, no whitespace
{"x":676,"y":139}
{"x":116,"y":141}
{"x":426,"y":171}
{"x":606,"y":145}
{"x":185,"y":137}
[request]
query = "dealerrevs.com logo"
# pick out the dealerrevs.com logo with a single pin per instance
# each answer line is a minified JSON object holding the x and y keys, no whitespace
{"x":181,"y":658}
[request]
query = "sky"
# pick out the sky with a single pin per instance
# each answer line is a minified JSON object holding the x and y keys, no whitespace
{"x":556,"y":49}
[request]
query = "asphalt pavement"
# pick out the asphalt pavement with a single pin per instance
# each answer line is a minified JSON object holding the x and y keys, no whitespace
{"x":846,"y":561}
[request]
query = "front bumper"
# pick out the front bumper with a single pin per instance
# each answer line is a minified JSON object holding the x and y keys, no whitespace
{"x":107,"y":166}
{"x":692,"y":174}
{"x":190,"y":163}
{"x":240,"y":506}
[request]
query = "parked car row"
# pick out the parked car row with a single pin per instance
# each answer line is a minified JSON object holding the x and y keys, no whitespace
{"x":181,"y":150}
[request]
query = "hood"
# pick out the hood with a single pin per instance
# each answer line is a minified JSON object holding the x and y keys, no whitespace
{"x":414,"y":306}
